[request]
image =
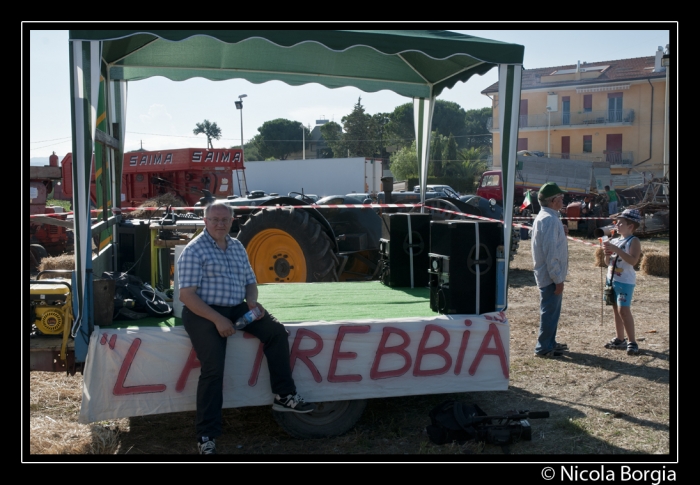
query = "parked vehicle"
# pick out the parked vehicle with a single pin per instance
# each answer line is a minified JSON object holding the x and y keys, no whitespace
{"x":444,"y":190}
{"x":304,"y":197}
{"x":575,"y":177}
{"x":489,"y":208}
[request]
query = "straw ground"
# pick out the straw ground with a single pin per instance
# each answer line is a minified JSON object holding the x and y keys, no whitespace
{"x":601,"y":401}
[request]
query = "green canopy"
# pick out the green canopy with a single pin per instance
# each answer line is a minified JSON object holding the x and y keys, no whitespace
{"x":418,"y":64}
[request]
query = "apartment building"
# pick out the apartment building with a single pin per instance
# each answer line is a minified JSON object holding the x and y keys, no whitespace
{"x":607,"y":111}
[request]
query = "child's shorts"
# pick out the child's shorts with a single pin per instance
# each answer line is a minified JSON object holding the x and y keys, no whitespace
{"x":623,"y":293}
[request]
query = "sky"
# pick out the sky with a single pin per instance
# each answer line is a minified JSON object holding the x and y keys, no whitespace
{"x":161,"y":114}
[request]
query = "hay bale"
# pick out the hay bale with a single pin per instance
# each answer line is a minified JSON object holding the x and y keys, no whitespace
{"x":163,"y":200}
{"x":64,"y":261}
{"x":600,"y":258}
{"x":656,"y":264}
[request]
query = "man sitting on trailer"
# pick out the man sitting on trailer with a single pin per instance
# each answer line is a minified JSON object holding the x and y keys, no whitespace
{"x":215,"y":277}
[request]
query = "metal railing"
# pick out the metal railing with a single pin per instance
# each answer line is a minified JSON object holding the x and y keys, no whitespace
{"x":559,"y":118}
{"x":607,"y":158}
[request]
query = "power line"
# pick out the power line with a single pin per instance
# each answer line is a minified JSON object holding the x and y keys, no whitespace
{"x":45,"y":146}
{"x":52,"y":139}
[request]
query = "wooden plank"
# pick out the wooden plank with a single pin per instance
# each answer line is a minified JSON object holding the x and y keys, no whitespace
{"x":45,"y":173}
{"x":169,"y":243}
{"x":43,"y":343}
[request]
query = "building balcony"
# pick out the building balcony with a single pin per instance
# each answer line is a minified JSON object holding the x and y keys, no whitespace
{"x":559,"y":119}
{"x":608,"y":158}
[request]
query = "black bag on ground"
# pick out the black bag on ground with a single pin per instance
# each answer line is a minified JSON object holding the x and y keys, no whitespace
{"x":146,"y":301}
{"x":452,"y":421}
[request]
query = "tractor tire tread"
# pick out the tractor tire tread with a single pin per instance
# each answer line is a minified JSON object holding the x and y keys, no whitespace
{"x":321,"y":260}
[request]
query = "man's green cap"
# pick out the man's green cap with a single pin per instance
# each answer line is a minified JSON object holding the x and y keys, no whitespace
{"x":548,"y":190}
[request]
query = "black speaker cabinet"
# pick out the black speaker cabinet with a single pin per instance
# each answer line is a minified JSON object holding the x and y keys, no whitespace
{"x":462,"y":262}
{"x":404,"y":247}
{"x":135,"y":249}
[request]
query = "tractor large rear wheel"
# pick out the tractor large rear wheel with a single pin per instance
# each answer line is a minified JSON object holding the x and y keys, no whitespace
{"x":287,"y":245}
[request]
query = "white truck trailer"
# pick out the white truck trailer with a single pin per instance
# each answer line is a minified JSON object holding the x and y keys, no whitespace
{"x":320,"y":176}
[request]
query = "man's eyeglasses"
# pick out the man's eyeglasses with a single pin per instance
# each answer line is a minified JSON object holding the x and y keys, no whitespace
{"x":216,"y":221}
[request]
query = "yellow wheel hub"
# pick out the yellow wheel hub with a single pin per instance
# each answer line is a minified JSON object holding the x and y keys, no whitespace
{"x":276,"y":257}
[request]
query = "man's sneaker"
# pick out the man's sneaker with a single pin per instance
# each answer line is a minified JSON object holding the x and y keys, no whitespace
{"x":207,"y":448}
{"x":616,"y":343}
{"x":292,"y":403}
{"x":550,"y":354}
{"x":632,"y":348}
{"x":561,"y":346}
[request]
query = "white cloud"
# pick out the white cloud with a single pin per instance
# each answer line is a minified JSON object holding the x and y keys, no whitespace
{"x":157,"y":113}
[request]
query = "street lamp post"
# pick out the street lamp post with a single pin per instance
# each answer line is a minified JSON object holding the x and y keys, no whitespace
{"x":239,"y":105}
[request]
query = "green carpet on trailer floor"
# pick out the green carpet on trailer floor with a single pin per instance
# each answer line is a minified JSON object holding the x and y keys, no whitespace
{"x":306,"y":302}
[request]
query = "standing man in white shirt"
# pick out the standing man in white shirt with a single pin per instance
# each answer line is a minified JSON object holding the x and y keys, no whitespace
{"x":550,"y":257}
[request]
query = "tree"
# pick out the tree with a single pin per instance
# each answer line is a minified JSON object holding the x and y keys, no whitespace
{"x":362,"y":135}
{"x":449,"y":155}
{"x":473,"y":165}
{"x":357,"y":132}
{"x":278,"y":138}
{"x":400,"y":132}
{"x":448,"y":117}
{"x":436,"y":155}
{"x":379,"y":129}
{"x":332,"y":134}
{"x":477,"y":132}
{"x":404,"y":162}
{"x":250,"y":151}
{"x":211,"y":130}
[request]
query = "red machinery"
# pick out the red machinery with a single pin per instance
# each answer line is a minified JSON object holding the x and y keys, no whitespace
{"x":183,"y":172}
{"x":48,"y":233}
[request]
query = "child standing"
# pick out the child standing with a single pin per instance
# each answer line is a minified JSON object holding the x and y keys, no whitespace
{"x":621,"y":255}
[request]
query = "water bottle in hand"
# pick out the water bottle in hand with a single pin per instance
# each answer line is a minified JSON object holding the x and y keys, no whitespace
{"x":249,"y":317}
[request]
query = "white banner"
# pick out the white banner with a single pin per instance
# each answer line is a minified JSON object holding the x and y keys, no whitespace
{"x":136,"y":372}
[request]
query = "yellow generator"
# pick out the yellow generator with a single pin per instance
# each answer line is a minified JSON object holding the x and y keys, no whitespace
{"x":51,"y":309}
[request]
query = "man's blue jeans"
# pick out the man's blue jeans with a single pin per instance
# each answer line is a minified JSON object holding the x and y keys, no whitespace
{"x":550,"y":309}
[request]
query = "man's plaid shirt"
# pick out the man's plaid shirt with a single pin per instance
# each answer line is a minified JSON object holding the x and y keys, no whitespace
{"x":220,"y":276}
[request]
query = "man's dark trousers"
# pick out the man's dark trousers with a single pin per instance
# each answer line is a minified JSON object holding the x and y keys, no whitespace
{"x":211,"y":353}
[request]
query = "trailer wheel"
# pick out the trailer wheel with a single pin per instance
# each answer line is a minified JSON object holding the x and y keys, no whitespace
{"x":330,"y":419}
{"x":287,"y":245}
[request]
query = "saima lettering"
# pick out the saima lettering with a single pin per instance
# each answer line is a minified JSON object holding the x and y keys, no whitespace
{"x":216,"y":157}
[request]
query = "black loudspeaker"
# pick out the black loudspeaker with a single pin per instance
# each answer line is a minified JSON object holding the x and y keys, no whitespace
{"x":404,"y":234}
{"x":462,"y":262}
{"x":135,"y":249}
